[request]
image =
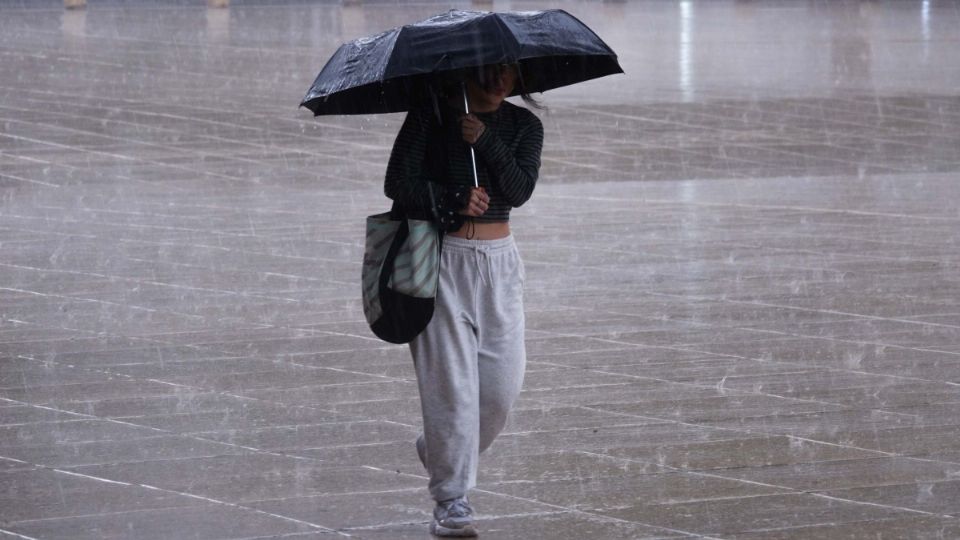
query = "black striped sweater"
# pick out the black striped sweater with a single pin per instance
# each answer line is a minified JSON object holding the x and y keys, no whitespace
{"x":429,"y":149}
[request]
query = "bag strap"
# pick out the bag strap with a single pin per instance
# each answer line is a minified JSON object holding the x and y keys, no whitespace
{"x":398,"y":212}
{"x":436,"y":220}
{"x":398,"y":239}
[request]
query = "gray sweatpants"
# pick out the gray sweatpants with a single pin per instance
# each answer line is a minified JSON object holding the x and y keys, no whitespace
{"x":470,"y":359}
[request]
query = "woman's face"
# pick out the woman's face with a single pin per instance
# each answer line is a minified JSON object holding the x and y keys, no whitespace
{"x":494,"y":83}
{"x":498,"y":79}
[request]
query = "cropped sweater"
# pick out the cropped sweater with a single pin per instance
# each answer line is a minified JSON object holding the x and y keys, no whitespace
{"x":430,"y":151}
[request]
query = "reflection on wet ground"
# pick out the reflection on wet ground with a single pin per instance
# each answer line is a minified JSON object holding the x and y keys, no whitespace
{"x":742,"y":292}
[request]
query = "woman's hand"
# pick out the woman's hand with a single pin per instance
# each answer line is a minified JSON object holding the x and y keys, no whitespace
{"x":478,"y":203}
{"x":472,"y":128}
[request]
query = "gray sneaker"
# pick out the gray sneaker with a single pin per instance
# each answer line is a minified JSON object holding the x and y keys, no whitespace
{"x":453,"y":517}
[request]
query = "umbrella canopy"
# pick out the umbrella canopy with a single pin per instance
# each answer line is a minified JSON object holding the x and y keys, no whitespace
{"x":393,"y":71}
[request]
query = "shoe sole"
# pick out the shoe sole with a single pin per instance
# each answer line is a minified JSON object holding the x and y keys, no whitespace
{"x":464,"y":532}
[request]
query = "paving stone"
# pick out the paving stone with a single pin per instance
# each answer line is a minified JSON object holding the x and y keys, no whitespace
{"x":603,"y":496}
{"x":565,"y":525}
{"x":560,"y":465}
{"x":718,"y":408}
{"x":723,"y":516}
{"x":406,"y":409}
{"x":206,"y":521}
{"x":920,"y":527}
{"x":936,"y":497}
{"x":345,"y":512}
{"x":822,"y":426}
{"x":633,"y":432}
{"x":250,"y":477}
{"x":306,"y":435}
{"x":250,"y":416}
{"x":44,"y":494}
{"x":738,"y":452}
{"x":66,"y":431}
{"x":12,"y":415}
{"x":181,"y":400}
{"x":21,"y":372}
{"x":572,"y":525}
{"x":55,"y":395}
{"x":924,"y":440}
{"x":531,"y":417}
{"x":702,"y":371}
{"x":330,"y":396}
{"x":876,"y":471}
{"x":272,"y":378}
{"x":626,"y":391}
{"x":399,"y":456}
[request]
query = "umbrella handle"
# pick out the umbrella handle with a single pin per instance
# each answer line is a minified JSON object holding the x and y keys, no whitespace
{"x":473,"y":156}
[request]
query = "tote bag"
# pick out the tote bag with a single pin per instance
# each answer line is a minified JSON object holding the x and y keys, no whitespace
{"x":401,"y":269}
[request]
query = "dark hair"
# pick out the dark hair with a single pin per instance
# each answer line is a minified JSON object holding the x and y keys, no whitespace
{"x":527,"y":98}
{"x":449,"y":85}
{"x":533,"y":102}
{"x":522,"y":91}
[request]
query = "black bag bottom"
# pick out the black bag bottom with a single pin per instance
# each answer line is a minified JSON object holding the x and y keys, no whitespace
{"x":403,"y":318}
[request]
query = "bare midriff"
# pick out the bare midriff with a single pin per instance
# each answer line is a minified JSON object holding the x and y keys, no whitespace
{"x":483,"y":231}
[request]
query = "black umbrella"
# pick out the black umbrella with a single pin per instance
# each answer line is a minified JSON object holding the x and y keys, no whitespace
{"x":394,"y":71}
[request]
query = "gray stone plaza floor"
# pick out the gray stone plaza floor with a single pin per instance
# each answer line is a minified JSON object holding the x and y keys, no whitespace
{"x":743,"y":280}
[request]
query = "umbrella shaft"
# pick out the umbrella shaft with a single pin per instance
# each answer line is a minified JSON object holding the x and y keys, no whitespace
{"x":473,"y":159}
{"x":473,"y":155}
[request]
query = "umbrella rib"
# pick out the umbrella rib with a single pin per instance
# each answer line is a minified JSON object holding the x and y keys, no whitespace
{"x":588,"y":29}
{"x":507,"y":35}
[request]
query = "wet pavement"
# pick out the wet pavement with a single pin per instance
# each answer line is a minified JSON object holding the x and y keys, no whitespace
{"x":743,"y":291}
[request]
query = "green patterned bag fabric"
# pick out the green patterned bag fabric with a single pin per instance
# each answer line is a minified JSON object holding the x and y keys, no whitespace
{"x":401,"y":266}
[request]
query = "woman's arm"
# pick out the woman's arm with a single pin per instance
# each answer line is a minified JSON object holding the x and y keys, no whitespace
{"x":515,"y":172}
{"x":405,"y":180}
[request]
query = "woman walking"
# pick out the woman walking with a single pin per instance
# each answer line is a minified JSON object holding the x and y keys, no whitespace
{"x":470,"y":359}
